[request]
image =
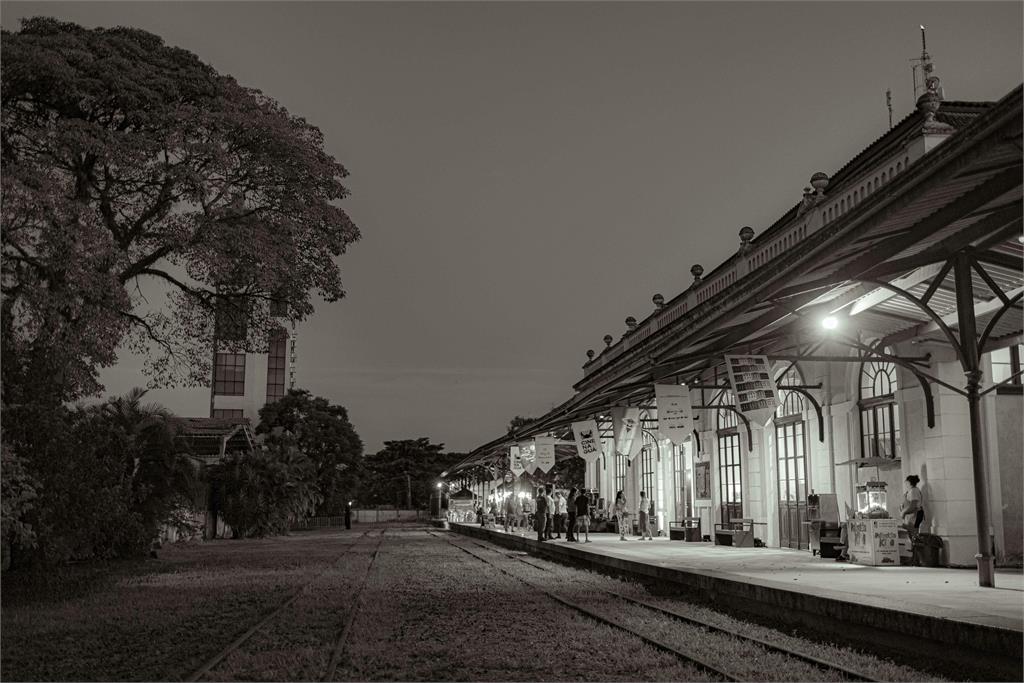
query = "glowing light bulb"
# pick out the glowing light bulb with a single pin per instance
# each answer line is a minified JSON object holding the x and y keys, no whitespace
{"x":830,"y":322}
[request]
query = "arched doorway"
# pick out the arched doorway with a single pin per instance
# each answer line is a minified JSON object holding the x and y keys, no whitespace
{"x":730,"y":471}
{"x":791,"y":463}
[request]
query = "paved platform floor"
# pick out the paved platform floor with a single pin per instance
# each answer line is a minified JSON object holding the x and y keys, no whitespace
{"x":940,"y":592}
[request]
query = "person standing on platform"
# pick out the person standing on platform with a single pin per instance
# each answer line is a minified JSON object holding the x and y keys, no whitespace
{"x":510,"y":511}
{"x":550,"y":513}
{"x":540,"y":517}
{"x":570,"y":516}
{"x":527,"y":506}
{"x":645,"y":518}
{"x":583,"y":515}
{"x":621,"y":512}
{"x":912,"y":509}
{"x":559,"y":514}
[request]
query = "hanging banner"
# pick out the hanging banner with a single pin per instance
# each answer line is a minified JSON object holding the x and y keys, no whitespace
{"x":757,"y":397}
{"x":515,"y":461}
{"x":675,"y":415}
{"x":545,"y":453}
{"x":528,"y":456}
{"x":625,"y":425}
{"x":588,"y":440}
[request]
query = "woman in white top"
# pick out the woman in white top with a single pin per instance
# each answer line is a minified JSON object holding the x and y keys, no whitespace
{"x":621,"y":513}
{"x":913,"y":504}
{"x":645,"y":520}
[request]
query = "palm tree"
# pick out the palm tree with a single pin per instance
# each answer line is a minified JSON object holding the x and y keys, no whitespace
{"x":162,"y":475}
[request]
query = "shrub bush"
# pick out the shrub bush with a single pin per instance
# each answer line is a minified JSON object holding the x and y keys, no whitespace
{"x":103,"y":486}
{"x":18,"y":491}
{"x":262,"y":492}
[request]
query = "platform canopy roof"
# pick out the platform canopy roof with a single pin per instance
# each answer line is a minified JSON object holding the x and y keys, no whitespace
{"x":883,"y":268}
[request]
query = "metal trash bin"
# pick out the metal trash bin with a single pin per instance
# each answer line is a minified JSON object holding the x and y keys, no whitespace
{"x":927,"y":549}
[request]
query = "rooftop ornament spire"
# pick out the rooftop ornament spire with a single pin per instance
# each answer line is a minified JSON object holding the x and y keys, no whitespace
{"x":931,"y":99}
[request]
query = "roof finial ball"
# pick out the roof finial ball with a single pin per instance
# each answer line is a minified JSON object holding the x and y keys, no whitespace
{"x":608,"y":340}
{"x":590,"y":354}
{"x":659,"y":301}
{"x":697,"y":271}
{"x":819,"y":181}
{"x":631,"y":323}
{"x":746,"y":234}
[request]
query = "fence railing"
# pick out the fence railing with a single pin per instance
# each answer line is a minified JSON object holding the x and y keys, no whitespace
{"x":367,"y":516}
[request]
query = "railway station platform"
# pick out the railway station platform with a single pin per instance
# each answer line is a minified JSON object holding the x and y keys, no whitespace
{"x":933,"y":612}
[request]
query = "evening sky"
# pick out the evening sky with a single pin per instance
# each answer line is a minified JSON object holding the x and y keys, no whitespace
{"x":526,"y":175}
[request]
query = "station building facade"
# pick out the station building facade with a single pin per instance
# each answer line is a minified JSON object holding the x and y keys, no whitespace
{"x":913,"y":250}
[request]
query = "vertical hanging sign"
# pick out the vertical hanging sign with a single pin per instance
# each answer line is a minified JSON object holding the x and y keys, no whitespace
{"x":625,"y":425}
{"x":588,"y":440}
{"x":675,"y":415}
{"x":545,"y":453}
{"x":515,"y":461}
{"x":757,"y":397}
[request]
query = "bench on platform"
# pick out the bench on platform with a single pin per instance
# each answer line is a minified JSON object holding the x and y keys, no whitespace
{"x":686,"y":529}
{"x":736,"y":532}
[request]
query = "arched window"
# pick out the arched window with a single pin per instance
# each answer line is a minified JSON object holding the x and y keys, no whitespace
{"x":879,"y":412}
{"x":730,"y":474}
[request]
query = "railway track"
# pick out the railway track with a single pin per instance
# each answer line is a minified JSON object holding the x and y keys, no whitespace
{"x":211,"y":663}
{"x":846,"y":672}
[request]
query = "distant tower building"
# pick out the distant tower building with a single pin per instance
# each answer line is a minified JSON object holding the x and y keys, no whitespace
{"x":245,"y":382}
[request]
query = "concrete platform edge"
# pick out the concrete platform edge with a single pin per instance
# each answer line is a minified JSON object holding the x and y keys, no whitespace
{"x":789,"y":606}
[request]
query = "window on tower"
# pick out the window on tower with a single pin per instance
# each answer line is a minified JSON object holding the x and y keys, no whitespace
{"x":277,"y":365}
{"x":229,"y":374}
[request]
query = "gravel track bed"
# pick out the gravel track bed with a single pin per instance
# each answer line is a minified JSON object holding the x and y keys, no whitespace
{"x":877,"y":668}
{"x":432,"y":612}
{"x":741,"y":660}
{"x":297,"y":644}
{"x":161,"y":622}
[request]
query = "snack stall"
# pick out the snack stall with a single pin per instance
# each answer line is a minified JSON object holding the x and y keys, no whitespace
{"x":462,"y":506}
{"x":872,"y":535}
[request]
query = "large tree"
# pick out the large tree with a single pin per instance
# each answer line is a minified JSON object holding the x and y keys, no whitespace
{"x":128,"y":161}
{"x":323,"y":433}
{"x":403,"y":469}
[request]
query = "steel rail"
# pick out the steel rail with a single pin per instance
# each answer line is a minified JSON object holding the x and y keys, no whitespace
{"x":810,"y":659}
{"x":654,"y":642}
{"x":216,"y":659}
{"x":339,"y":644}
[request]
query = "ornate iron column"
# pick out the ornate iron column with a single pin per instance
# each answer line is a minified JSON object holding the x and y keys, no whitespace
{"x":971,"y":363}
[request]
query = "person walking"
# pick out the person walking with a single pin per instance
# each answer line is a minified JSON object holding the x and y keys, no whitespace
{"x":510,"y":511}
{"x":570,"y":516}
{"x":541,"y":515}
{"x":621,"y":512}
{"x":583,"y":515}
{"x":645,"y":519}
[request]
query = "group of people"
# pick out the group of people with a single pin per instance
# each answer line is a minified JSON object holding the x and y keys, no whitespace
{"x":553,"y":514}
